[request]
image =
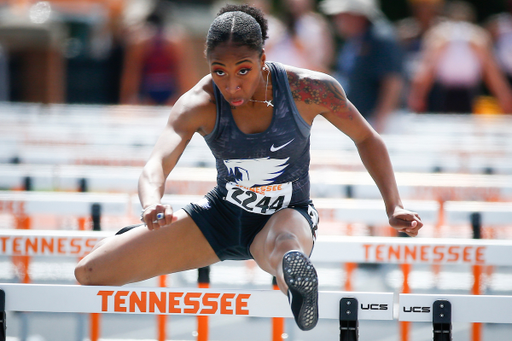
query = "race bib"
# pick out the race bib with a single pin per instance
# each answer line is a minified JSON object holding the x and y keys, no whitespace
{"x":261,"y":200}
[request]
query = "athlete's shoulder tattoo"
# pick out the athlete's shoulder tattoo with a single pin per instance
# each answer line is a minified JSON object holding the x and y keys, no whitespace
{"x":324,"y":92}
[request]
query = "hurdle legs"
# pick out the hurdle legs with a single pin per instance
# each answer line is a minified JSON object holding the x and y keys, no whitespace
{"x":442,"y":320}
{"x":162,"y":319}
{"x":349,"y":324}
{"x":476,"y":224}
{"x":277,"y":322}
{"x":3,"y":322}
{"x":476,"y":328}
{"x":405,"y":325}
{"x":203,"y":281}
{"x":95,"y":319}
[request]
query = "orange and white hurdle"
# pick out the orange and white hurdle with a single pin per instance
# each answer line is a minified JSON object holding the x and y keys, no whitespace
{"x":347,"y":307}
{"x":327,"y":248}
{"x":186,"y":301}
{"x":179,"y":301}
{"x":402,"y":251}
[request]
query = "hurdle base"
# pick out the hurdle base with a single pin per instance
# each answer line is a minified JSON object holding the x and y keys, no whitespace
{"x":442,"y":320}
{"x":349,"y":324}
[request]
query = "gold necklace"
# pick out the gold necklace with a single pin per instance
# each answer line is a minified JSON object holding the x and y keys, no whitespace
{"x":267,"y":102}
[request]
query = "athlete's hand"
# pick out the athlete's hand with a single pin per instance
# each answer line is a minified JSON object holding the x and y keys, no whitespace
{"x":406,"y":221}
{"x":156,"y":216}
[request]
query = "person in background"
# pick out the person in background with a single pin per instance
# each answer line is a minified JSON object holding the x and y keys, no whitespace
{"x":411,"y":31}
{"x":154,"y":72}
{"x":4,"y":75}
{"x":500,"y":28}
{"x":457,"y":58}
{"x":369,"y":64}
{"x":306,"y":41}
{"x":276,"y":27}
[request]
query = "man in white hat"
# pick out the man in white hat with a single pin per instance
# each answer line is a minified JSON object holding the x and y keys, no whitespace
{"x":369,"y":65}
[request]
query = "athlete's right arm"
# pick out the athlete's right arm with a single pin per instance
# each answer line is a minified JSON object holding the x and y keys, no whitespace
{"x":193,"y":112}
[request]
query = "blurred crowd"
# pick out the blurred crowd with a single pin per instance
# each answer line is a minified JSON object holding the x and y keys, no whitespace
{"x":440,"y":58}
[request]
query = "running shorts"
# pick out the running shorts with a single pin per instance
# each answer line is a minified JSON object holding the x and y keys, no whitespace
{"x":230,"y":229}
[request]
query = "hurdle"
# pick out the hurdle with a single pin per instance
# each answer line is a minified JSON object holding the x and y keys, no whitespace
{"x":443,"y":310}
{"x":30,"y":243}
{"x":347,"y":307}
{"x":471,"y":252}
{"x":341,"y":249}
{"x":325,"y":182}
{"x":348,"y":210}
{"x":464,"y":308}
{"x":405,"y":252}
{"x":21,"y":134}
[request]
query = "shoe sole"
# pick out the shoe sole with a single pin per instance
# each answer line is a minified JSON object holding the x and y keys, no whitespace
{"x":302,"y":280}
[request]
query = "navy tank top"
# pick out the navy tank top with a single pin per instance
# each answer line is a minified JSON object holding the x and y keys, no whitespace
{"x":267,"y":171}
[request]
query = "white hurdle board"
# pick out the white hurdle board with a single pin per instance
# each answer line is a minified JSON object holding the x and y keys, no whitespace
{"x":74,"y":203}
{"x":198,"y":180}
{"x":398,"y":250}
{"x":182,"y":301}
{"x":465,"y":308}
{"x":49,"y":242}
{"x":26,"y":202}
{"x":393,"y":250}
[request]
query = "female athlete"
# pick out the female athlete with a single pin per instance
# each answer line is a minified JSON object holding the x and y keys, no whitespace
{"x":256,"y":118}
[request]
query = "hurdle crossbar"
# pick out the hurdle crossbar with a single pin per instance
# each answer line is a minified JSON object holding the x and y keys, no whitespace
{"x":200,"y":302}
{"x":327,"y":248}
{"x":396,"y":250}
{"x":368,"y":211}
{"x":49,"y":242}
{"x":440,"y":310}
{"x":181,"y":301}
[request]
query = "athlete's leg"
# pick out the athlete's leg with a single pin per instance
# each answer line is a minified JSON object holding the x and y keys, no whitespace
{"x":281,"y":249}
{"x":287,"y":230}
{"x":140,"y":254}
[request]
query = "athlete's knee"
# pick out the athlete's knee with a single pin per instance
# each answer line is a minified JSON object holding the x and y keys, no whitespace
{"x":286,"y":240}
{"x":86,"y":273}
{"x":83,"y":273}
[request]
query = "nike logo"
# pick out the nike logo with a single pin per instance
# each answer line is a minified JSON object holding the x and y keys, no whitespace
{"x":275,"y":149}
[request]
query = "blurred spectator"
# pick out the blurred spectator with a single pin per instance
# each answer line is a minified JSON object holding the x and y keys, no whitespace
{"x":500,"y":27}
{"x":153,"y":72}
{"x":457,"y":57}
{"x":90,"y":48}
{"x":32,"y":41}
{"x":4,"y":76}
{"x":411,"y":30}
{"x":306,"y":42}
{"x":369,"y":65}
{"x":276,"y":28}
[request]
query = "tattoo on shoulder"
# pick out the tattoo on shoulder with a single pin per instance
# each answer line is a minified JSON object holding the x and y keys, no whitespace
{"x":324,"y":93}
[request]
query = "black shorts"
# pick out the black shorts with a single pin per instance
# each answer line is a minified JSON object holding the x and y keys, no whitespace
{"x":230,"y":230}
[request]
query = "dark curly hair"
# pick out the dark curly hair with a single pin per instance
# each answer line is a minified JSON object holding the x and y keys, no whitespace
{"x":243,"y":25}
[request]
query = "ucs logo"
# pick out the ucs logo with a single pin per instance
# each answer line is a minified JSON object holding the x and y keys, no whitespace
{"x":416,"y":310}
{"x":374,"y":306}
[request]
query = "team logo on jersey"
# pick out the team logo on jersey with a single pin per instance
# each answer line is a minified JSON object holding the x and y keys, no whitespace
{"x":255,"y":172}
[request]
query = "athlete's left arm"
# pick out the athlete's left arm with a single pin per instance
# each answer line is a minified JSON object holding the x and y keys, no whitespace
{"x":326,"y":97}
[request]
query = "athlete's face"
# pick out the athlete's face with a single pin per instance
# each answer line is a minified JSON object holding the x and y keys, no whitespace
{"x":237,"y":72}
